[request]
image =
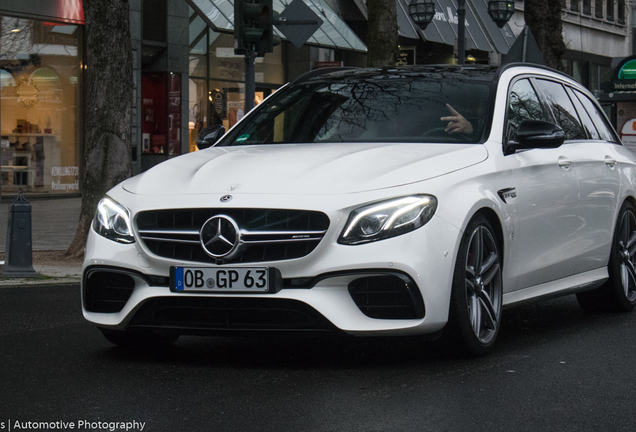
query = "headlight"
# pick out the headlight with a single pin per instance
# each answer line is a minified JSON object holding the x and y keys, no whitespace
{"x":112,"y":221}
{"x":388,"y":219}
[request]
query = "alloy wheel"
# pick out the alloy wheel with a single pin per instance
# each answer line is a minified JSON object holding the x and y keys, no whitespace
{"x":627,"y":254}
{"x":483,"y":284}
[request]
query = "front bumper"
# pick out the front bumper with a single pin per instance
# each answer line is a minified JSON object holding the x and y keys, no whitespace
{"x":316,"y":292}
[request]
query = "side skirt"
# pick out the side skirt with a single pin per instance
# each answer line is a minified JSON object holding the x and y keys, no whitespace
{"x":569,"y":285}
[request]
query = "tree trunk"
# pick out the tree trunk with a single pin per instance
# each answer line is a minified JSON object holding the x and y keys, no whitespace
{"x":544,"y":19}
{"x":382,"y":34}
{"x":107,"y":107}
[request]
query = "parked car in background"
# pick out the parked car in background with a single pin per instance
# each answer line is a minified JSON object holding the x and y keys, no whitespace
{"x":399,"y":201}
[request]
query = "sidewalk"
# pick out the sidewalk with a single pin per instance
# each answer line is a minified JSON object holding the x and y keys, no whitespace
{"x":53,"y":222}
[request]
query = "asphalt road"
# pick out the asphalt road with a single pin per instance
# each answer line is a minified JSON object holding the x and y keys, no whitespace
{"x":555,"y":368}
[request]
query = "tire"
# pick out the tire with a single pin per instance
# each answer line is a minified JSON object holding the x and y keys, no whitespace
{"x":618,"y":293}
{"x":138,"y":340}
{"x":476,"y":297}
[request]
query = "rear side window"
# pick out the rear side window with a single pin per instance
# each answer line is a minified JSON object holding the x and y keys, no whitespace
{"x":562,"y":109}
{"x":523,"y":104}
{"x":586,"y":120}
{"x":598,"y":119}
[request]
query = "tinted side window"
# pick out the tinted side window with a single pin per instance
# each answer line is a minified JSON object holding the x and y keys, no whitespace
{"x":597,"y":117}
{"x":588,"y":124}
{"x":523,"y":104}
{"x":562,"y":109}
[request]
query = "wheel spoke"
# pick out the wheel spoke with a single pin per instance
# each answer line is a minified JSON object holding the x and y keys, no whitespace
{"x":475,"y":314}
{"x":470,"y":285}
{"x":625,"y":279}
{"x":631,"y":244}
{"x":628,"y":276}
{"x":626,"y":231}
{"x":479,"y":237}
{"x":489,"y":309}
{"x":490,"y":268}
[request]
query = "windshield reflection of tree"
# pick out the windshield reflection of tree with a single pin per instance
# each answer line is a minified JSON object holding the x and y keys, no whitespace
{"x":374,"y":109}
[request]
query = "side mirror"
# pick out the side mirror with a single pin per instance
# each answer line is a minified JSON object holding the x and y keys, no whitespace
{"x":208,"y":136}
{"x":537,"y":134}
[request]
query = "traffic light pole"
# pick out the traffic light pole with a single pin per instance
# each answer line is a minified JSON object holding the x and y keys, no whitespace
{"x":250,"y":80}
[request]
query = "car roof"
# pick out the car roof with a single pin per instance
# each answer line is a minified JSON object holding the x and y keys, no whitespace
{"x":477,"y":72}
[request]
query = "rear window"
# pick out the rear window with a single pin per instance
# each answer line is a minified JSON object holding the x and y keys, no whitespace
{"x":381,"y":108}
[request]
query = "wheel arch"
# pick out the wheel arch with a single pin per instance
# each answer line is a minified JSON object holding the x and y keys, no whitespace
{"x":631,"y":199}
{"x":495,"y":222}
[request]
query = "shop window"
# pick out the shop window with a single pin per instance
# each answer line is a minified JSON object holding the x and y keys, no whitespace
{"x":40,"y":91}
{"x":199,"y":101}
{"x":161,"y":115}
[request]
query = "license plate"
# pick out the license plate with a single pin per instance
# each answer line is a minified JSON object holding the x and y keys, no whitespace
{"x":217,"y":280}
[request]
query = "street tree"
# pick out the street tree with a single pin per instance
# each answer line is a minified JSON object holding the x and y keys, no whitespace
{"x":544,"y":19}
{"x":107,"y":107}
{"x":382,"y":33}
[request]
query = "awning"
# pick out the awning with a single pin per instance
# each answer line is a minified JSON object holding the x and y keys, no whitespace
{"x":481,"y":31}
{"x":334,"y":32}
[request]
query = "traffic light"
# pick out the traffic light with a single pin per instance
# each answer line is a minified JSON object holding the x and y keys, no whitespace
{"x":253,"y":26}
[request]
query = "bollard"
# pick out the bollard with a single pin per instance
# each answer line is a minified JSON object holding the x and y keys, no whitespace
{"x":18,"y":260}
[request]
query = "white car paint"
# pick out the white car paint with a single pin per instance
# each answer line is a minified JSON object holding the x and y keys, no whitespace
{"x":556,"y":232}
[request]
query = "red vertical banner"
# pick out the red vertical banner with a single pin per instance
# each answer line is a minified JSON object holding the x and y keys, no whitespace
{"x":154,"y":112}
{"x":161,"y":113}
{"x":72,"y":10}
{"x":174,"y":114}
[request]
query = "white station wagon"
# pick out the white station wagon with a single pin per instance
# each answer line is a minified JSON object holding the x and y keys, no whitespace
{"x":374,"y":202}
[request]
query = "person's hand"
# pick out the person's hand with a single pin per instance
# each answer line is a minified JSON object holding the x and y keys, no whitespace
{"x":456,"y":122}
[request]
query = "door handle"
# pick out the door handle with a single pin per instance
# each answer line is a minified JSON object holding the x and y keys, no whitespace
{"x":565,"y":163}
{"x":610,"y":161}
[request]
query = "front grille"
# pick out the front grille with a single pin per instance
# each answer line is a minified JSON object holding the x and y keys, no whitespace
{"x":387,"y":297}
{"x":266,"y":235}
{"x":210,"y":314}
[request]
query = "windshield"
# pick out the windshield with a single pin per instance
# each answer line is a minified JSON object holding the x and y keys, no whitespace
{"x":368,"y":108}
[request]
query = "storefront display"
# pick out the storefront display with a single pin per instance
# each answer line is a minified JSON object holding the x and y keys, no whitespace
{"x":161,"y":116}
{"x":39,"y":106}
{"x":217,"y":75}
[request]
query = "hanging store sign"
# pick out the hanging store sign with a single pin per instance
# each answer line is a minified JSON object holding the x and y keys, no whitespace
{"x":69,"y":11}
{"x":624,"y":76}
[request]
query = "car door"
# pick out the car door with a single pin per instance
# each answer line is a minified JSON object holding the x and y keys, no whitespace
{"x":599,"y":182}
{"x":547,"y":197}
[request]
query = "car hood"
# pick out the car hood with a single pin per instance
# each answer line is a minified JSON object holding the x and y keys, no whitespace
{"x":304,"y":168}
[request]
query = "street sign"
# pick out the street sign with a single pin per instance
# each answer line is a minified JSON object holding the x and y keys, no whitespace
{"x":298,"y":22}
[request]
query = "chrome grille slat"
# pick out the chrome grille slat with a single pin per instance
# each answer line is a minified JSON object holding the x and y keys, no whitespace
{"x":184,"y":241}
{"x":266,"y":234}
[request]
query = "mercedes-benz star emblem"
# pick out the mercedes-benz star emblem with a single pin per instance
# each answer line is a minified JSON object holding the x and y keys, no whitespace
{"x":220,"y":236}
{"x":226,"y":198}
